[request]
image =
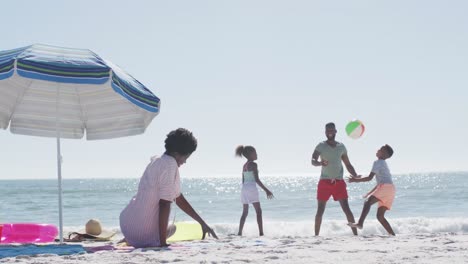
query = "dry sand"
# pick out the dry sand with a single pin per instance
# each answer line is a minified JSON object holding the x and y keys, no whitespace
{"x":424,"y":248}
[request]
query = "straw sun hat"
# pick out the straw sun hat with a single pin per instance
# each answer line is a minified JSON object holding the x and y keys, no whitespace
{"x":93,"y":230}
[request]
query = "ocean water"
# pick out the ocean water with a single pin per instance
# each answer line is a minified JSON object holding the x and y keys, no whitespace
{"x":425,"y":203}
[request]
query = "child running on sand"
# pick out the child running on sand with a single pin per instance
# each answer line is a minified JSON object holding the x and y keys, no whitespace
{"x":383,"y":192}
{"x":249,"y":193}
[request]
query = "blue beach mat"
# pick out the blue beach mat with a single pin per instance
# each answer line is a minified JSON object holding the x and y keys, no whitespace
{"x":8,"y":251}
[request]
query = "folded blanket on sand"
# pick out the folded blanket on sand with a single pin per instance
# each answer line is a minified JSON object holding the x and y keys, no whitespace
{"x":7,"y":251}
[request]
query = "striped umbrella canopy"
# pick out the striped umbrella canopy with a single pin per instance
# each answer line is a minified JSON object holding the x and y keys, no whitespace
{"x":61,"y":92}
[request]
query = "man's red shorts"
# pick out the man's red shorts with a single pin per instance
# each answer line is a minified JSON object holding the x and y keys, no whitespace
{"x":335,"y":188}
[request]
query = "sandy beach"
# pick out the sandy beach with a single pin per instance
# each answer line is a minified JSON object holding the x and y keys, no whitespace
{"x":282,"y":118}
{"x":423,"y":248}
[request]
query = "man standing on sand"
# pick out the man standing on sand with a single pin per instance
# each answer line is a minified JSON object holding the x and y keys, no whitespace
{"x":331,"y":183}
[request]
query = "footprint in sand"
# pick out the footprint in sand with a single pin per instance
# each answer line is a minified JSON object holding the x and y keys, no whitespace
{"x":276,"y":251}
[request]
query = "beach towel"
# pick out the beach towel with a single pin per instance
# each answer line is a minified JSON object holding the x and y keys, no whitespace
{"x":7,"y":251}
{"x":186,"y":231}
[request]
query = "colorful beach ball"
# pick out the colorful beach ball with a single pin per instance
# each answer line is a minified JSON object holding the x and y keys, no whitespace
{"x":355,"y":129}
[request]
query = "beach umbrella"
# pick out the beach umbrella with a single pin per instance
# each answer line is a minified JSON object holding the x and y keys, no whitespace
{"x":58,"y":92}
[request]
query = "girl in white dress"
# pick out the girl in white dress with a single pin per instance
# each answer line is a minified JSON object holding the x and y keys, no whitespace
{"x":249,"y":193}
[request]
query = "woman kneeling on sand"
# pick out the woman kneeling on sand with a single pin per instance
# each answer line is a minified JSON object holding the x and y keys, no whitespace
{"x":145,"y":220}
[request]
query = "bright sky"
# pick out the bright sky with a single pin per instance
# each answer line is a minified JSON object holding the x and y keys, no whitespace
{"x":263,"y":73}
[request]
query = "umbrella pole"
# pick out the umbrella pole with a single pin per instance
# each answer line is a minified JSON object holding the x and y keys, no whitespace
{"x":59,"y":164}
{"x":59,"y":174}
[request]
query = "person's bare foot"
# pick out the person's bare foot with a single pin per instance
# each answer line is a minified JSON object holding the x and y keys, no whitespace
{"x":358,"y":226}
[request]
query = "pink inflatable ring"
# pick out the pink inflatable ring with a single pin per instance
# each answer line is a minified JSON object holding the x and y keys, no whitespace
{"x":27,"y":233}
